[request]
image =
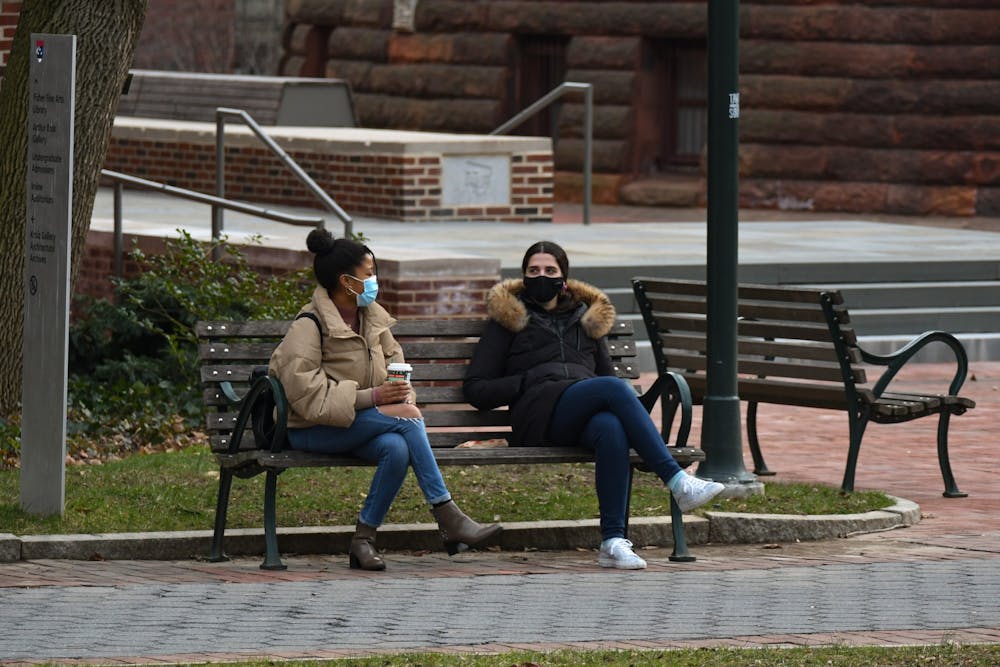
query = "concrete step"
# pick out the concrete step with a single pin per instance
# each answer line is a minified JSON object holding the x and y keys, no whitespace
{"x":951,"y":294}
{"x":623,"y":299}
{"x":883,"y":321}
{"x":620,"y":274}
{"x":978,"y":347}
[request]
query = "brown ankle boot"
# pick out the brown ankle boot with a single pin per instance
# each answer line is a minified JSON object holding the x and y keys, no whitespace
{"x":457,"y":529}
{"x":363,"y":555}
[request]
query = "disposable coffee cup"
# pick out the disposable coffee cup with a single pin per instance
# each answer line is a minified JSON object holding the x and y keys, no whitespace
{"x":399,"y":372}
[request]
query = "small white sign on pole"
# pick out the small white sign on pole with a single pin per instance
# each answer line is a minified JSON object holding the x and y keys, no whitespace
{"x":48,"y":230}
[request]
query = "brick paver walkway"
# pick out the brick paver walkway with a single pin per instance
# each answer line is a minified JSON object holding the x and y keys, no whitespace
{"x":937,"y":581}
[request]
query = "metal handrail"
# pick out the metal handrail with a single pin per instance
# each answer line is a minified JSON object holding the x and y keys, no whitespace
{"x":220,"y":168}
{"x":588,"y":128}
{"x":174,"y":191}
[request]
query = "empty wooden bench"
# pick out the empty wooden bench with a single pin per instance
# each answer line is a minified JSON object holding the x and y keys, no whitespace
{"x":796,"y":346}
{"x":271,"y":100}
{"x":247,"y":441}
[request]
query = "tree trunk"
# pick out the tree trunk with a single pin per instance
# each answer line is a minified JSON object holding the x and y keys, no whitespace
{"x":106,"y":34}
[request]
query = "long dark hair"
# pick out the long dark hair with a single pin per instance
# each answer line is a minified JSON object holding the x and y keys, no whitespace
{"x":547,"y":248}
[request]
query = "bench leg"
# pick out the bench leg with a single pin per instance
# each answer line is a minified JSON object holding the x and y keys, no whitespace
{"x":857,"y":425}
{"x":628,"y":498}
{"x":217,"y":555}
{"x":950,"y":487}
{"x":680,"y":554}
{"x":759,"y":466}
{"x":272,"y":557}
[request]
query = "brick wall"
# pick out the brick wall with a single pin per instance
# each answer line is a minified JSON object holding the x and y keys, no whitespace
{"x":399,"y":187}
{"x":428,"y":287}
{"x":9,"y":12}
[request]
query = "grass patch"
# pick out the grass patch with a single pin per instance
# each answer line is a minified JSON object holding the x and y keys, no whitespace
{"x":943,"y":655}
{"x":176,"y":490}
{"x":802,"y":499}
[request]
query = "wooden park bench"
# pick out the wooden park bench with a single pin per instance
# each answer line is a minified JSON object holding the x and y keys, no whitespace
{"x":271,"y":100}
{"x":247,"y":441}
{"x":796,"y":346}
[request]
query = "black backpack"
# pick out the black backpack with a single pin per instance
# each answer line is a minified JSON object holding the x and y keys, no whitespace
{"x":262,"y":421}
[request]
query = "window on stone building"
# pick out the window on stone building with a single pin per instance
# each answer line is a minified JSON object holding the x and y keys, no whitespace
{"x":671,"y":106}
{"x":541,"y":66}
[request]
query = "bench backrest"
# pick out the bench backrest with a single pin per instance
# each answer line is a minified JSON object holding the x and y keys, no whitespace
{"x":794,"y":345}
{"x":439,"y":351}
{"x":270,"y":100}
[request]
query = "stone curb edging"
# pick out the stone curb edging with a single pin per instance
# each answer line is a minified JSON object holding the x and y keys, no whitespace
{"x":732,"y":528}
{"x":716,"y":527}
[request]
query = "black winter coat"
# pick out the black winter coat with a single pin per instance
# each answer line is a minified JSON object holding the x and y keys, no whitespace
{"x":528,"y":356}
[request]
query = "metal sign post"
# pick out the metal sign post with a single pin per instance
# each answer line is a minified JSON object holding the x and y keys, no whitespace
{"x":48,"y":227}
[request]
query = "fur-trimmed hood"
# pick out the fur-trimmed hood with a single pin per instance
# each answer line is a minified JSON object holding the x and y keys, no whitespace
{"x":506,"y":308}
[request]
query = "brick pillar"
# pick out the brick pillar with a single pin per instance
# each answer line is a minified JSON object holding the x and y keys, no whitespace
{"x":410,"y":286}
{"x":9,"y":12}
{"x":442,"y":286}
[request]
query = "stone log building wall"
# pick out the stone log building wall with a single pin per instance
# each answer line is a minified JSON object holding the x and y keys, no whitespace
{"x":877,"y":107}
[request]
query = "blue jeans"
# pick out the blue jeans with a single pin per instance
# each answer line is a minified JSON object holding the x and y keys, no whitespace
{"x":605,"y":415}
{"x":393,"y":444}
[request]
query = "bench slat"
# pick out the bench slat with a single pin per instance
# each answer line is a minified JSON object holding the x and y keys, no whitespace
{"x":784,"y":392}
{"x":450,"y":457}
{"x":436,"y":328}
{"x":248,"y":329}
{"x":935,"y":400}
{"x":781,"y":349}
{"x":229,"y":373}
{"x":444,"y":439}
{"x":745,"y":290}
{"x":675,"y":323}
{"x":452,"y":349}
{"x":225,"y":352}
{"x":467,"y":418}
{"x":758,"y":310}
{"x":438,"y":438}
{"x":815,"y":370}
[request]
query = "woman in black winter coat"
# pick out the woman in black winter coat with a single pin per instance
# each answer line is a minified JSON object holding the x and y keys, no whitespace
{"x":544,"y":353}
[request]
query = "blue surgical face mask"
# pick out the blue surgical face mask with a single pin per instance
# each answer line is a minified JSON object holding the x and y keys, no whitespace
{"x":367,"y":296}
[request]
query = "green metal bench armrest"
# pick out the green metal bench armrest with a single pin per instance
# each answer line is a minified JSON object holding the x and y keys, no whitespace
{"x":675,"y":385}
{"x":898,"y":359}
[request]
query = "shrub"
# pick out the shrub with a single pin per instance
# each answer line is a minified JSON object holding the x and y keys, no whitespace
{"x":10,"y":441}
{"x":133,"y":363}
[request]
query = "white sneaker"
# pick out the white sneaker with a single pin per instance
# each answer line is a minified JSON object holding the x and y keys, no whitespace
{"x":695,"y":492}
{"x":617,"y":552}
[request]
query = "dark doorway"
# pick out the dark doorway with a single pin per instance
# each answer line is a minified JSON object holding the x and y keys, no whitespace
{"x":671,"y":107}
{"x":541,"y":66}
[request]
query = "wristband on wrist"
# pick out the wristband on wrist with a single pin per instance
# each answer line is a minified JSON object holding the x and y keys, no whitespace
{"x":375,"y":396}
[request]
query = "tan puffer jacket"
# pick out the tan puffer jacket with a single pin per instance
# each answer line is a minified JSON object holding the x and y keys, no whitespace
{"x":327,"y":383}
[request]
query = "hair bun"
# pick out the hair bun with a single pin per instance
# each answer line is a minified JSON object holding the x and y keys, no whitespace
{"x":320,"y":241}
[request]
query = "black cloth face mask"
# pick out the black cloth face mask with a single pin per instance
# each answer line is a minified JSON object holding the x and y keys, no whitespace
{"x":542,"y":289}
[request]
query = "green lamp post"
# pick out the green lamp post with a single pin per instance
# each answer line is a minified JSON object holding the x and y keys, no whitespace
{"x":720,"y":436}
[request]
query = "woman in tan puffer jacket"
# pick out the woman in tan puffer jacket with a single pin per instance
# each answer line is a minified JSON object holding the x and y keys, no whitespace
{"x":340,"y":402}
